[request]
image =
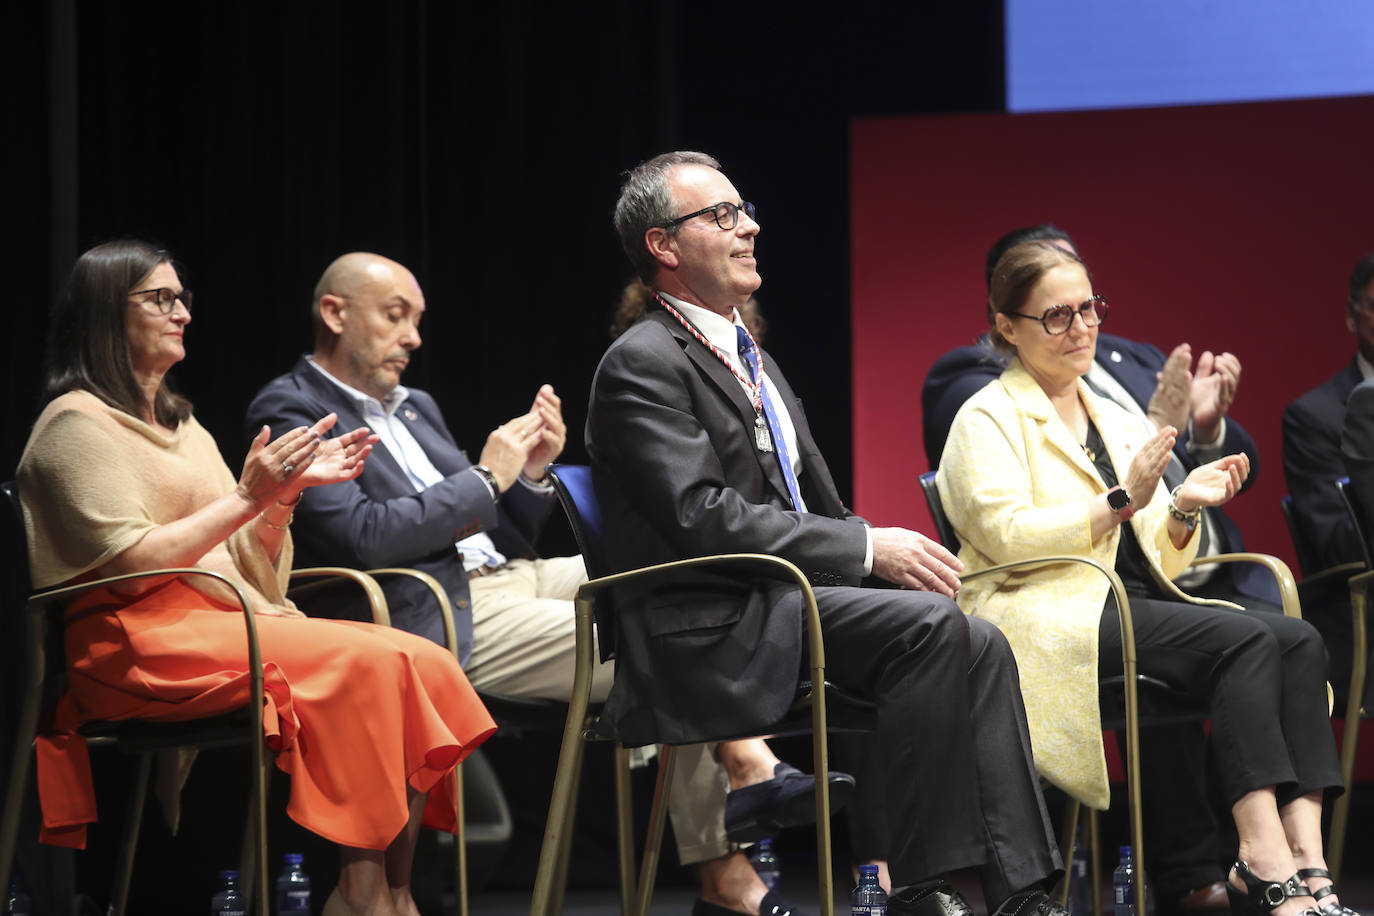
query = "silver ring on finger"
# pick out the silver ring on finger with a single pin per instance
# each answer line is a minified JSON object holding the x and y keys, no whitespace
{"x":287,"y":468}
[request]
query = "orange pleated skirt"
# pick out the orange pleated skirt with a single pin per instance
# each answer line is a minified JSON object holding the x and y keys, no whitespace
{"x":354,"y":712}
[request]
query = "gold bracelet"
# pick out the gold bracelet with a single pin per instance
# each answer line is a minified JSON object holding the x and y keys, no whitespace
{"x":283,"y":526}
{"x":292,"y":504}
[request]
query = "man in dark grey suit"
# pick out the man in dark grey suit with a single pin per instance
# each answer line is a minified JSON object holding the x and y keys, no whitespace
{"x":710,"y":448}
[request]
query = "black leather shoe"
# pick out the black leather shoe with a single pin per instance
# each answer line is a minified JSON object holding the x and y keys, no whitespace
{"x":1030,"y":903}
{"x":771,"y":905}
{"x":755,"y":812}
{"x":1262,"y":895}
{"x":1330,"y":907}
{"x":931,"y":900}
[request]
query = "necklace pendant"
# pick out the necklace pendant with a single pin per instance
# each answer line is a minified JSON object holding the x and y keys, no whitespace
{"x":762,"y":438}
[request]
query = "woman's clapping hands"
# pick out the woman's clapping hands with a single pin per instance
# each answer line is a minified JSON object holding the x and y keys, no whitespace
{"x":281,"y":469}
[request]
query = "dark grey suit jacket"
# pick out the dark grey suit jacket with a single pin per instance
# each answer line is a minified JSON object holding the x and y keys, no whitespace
{"x":1312,"y":463}
{"x":380,"y":520}
{"x":1357,"y":448}
{"x":671,"y":430}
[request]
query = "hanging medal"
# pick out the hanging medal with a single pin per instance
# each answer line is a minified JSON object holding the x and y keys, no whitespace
{"x":763,"y":438}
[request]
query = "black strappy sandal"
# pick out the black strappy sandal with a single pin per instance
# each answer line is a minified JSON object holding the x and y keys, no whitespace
{"x":1330,"y":907}
{"x":1262,"y":896}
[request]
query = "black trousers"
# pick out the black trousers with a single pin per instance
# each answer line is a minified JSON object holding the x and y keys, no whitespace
{"x":1263,"y":677}
{"x":1182,"y":834}
{"x":958,"y":777}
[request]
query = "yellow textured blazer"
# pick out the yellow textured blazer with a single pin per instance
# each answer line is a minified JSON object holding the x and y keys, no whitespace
{"x":1016,"y":485}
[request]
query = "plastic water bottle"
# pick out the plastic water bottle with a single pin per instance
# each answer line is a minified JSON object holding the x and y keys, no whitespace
{"x":293,"y":887}
{"x":869,"y":898}
{"x":765,"y":863}
{"x":1123,"y":884}
{"x":1080,"y":880}
{"x":16,"y":901}
{"x":229,"y":901}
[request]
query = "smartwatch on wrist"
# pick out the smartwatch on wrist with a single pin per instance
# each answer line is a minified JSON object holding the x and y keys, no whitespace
{"x":1120,"y":502}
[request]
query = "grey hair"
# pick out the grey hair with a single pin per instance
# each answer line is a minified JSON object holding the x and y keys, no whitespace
{"x":646,"y":202}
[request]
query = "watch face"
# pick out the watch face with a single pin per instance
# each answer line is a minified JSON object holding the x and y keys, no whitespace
{"x":1118,"y":499}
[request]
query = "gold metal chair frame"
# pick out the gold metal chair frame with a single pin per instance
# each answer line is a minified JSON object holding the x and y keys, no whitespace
{"x":1291,"y":607}
{"x":36,"y":610}
{"x":635,"y":894}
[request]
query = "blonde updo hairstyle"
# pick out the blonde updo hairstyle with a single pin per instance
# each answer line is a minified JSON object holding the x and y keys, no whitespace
{"x":1015,"y":276}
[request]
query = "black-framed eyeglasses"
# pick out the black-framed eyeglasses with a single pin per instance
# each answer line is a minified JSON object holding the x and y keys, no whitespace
{"x":726,"y":214}
{"x":1057,"y":319}
{"x":165,"y":299}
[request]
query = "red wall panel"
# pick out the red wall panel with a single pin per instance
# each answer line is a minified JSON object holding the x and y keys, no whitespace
{"x":1230,"y":227}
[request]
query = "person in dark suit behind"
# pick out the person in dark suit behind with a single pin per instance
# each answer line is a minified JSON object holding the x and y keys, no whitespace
{"x":1357,"y":448}
{"x":1182,"y":832}
{"x":421,"y":503}
{"x":706,"y":449}
{"x":1312,"y":436}
{"x":1312,"y":462}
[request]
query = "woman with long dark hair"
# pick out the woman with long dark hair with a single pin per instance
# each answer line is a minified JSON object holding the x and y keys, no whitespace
{"x":118,"y":477}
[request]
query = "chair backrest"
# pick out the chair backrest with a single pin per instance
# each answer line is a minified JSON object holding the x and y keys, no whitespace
{"x":1306,"y":561}
{"x":1352,"y":508}
{"x":943,"y":528}
{"x":577,"y":492}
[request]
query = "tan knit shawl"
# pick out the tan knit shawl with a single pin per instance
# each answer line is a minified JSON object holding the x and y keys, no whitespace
{"x":94,"y":480}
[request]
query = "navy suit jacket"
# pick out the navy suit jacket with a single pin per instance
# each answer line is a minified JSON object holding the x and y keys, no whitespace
{"x":670,"y":435}
{"x":1312,"y":463}
{"x":1357,"y":447}
{"x":961,"y":372}
{"x":379,"y":519}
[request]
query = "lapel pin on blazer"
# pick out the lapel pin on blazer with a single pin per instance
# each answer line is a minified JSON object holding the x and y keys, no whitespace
{"x":1116,"y":356}
{"x":409,"y":413}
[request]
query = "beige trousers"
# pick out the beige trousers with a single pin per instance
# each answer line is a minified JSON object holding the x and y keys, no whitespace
{"x":522,"y":645}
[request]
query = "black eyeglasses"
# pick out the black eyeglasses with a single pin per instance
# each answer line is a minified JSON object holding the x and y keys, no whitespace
{"x":165,"y":299}
{"x":1057,"y":319}
{"x":726,"y":214}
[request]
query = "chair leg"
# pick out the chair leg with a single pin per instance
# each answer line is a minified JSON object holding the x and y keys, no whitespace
{"x":1096,"y":860}
{"x":25,"y":730}
{"x":461,"y":842}
{"x":14,"y":802}
{"x":624,"y":829}
{"x":1068,"y":839}
{"x":253,"y":862}
{"x":820,"y":754}
{"x":1340,"y":813}
{"x":569,"y":764}
{"x":653,"y":843}
{"x":124,"y":866}
{"x":560,"y":881}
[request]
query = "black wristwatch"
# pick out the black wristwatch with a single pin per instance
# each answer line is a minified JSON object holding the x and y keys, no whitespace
{"x":1120,"y":502}
{"x":486,"y":474}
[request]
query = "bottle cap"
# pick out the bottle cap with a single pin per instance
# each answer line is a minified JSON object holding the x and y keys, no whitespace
{"x":1125,"y":852}
{"x":293,"y":858}
{"x":866,"y":870}
{"x":229,"y":874}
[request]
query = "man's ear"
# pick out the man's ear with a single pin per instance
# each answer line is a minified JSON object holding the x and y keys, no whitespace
{"x":332,"y":310}
{"x":662,"y":246}
{"x":1350,"y":320}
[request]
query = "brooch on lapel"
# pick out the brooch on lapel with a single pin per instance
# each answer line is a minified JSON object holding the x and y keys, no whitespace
{"x":409,"y":413}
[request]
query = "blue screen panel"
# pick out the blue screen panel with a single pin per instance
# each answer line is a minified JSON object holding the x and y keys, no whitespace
{"x":1074,"y":54}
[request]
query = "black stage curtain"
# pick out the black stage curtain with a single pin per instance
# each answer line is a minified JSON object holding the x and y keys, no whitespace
{"x":482,"y":145}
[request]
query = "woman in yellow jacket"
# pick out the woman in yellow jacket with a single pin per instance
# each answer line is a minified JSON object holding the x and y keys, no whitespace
{"x":1037,"y":464}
